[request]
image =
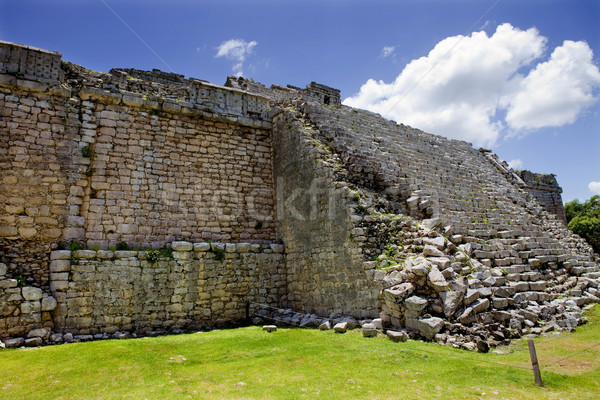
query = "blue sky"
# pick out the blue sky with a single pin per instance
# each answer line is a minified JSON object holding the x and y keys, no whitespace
{"x":519,"y":77}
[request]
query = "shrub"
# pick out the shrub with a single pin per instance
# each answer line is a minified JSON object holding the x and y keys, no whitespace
{"x":219,"y":254}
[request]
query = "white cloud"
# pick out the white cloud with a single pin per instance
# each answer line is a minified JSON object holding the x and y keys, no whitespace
{"x":594,"y":187}
{"x":387,"y":51}
{"x":516,"y":164}
{"x":236,"y":50}
{"x":555,"y":92}
{"x":458,"y":89}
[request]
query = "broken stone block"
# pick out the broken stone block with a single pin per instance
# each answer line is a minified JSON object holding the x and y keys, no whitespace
{"x":451,"y":300}
{"x":436,"y":280}
{"x":341,"y":327}
{"x":269,"y":328}
{"x":471,"y":296}
{"x":430,"y":250}
{"x":38,"y":333}
{"x":480,"y":305}
{"x":483,"y":346}
{"x":467,"y":317}
{"x":428,"y":327}
{"x":369,"y":330}
{"x":14,"y":343}
{"x":437,"y":242}
{"x":414,"y":305}
{"x":33,"y":342}
{"x":397,"y":336}
{"x":325,"y":326}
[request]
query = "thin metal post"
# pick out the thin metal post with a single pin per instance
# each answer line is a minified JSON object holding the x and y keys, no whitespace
{"x":534,"y":363}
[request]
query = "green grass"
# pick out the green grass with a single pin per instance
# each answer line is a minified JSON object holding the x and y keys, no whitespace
{"x":295,"y":363}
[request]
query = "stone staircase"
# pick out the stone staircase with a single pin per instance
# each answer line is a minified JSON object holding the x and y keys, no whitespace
{"x":513,"y":259}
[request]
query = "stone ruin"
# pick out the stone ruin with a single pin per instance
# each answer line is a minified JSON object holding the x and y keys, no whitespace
{"x":141,"y":203}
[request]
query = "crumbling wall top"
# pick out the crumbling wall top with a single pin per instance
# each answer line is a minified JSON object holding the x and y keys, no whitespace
{"x":545,"y":181}
{"x":30,"y":62}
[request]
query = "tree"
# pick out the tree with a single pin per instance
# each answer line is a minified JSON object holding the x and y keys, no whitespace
{"x":584,"y":220}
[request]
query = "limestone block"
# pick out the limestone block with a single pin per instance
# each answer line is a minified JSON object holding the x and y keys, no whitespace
{"x":182,"y":246}
{"x":471,"y":296}
{"x":3,"y":269}
{"x":242,"y":247}
{"x":8,"y":283}
{"x":397,"y":294}
{"x":430,"y":250}
{"x":30,"y":307}
{"x":414,"y":306}
{"x":441,"y":262}
{"x":341,"y":327}
{"x":14,"y":343}
{"x":58,"y":286}
{"x":436,"y":280}
{"x":451,"y":301}
{"x":202,"y":246}
{"x":378,"y":322}
{"x":125,"y":254}
{"x":84,"y":254}
{"x":369,"y":330}
{"x":277,"y":248}
{"x":499,"y":302}
{"x":73,"y":233}
{"x":230,"y":247}
{"x":480,"y":305}
{"x":429,"y":327}
{"x":38,"y":333}
{"x":437,"y":242}
{"x":269,"y":328}
{"x":49,"y":303}
{"x":60,"y":255}
{"x":468,"y":316}
{"x":397,"y":336}
{"x":8,"y":231}
{"x":219,"y":246}
{"x":31,"y":293}
{"x":325,"y":326}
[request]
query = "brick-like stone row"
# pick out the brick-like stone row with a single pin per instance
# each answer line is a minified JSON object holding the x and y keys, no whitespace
{"x":25,"y":311}
{"x":102,"y":294}
{"x":144,"y":159}
{"x":198,"y":285}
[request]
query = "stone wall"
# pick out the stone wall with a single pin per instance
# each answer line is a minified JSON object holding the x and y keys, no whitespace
{"x":141,"y":158}
{"x":376,"y":217}
{"x":546,"y":191}
{"x":324,"y":262}
{"x":23,"y":309}
{"x":199,"y":285}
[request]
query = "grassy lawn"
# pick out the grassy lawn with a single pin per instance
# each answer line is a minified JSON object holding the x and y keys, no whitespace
{"x":296,"y":363}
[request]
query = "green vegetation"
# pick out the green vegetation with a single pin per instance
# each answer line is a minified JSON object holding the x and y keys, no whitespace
{"x":219,"y":253}
{"x":74,"y":246}
{"x":122,"y":246}
{"x":86,"y":152}
{"x":584,"y":220}
{"x":153,"y":256}
{"x":296,"y":363}
{"x":21,"y":281}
